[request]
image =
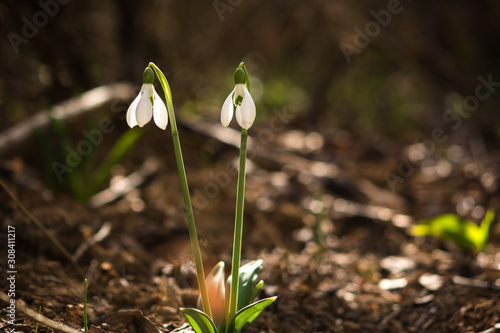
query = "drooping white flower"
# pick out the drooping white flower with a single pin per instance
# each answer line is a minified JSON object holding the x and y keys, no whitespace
{"x":147,"y":105}
{"x":241,"y":100}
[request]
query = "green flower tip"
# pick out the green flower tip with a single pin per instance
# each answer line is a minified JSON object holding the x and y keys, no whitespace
{"x":149,"y":76}
{"x":240,"y":76}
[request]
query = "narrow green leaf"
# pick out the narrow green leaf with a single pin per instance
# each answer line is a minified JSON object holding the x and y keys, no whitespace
{"x":247,"y":278}
{"x":74,"y":178}
{"x":200,"y":322}
{"x":257,"y":289}
{"x":85,"y":289}
{"x":120,"y":148}
{"x":248,"y":314}
{"x":39,"y":312}
{"x":485,"y":228}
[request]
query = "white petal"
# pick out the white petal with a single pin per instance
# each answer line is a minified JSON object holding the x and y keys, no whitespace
{"x":160,"y":113}
{"x":227,"y":110}
{"x":131,"y":119}
{"x":144,"y":111}
{"x":238,"y":91}
{"x":245,"y":113}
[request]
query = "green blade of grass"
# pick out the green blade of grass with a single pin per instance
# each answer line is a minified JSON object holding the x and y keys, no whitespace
{"x":85,"y":287}
{"x":124,"y":143}
{"x":39,"y":312}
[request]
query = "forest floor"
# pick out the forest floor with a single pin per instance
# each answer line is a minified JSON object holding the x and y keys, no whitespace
{"x":335,"y":240}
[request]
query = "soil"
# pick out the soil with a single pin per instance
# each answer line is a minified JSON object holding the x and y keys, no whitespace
{"x":336,"y":247}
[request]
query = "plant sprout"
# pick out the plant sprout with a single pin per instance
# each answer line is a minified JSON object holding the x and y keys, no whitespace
{"x":466,"y":234}
{"x":85,"y":289}
{"x":225,"y":305}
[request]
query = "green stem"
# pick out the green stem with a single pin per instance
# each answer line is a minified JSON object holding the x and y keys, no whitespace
{"x":185,"y":192}
{"x":238,"y":228}
{"x":85,"y":326}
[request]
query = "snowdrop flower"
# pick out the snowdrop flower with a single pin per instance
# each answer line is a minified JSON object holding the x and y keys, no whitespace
{"x":241,"y":100}
{"x":147,"y":105}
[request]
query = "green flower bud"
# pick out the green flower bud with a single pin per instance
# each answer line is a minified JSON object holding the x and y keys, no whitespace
{"x":149,"y":76}
{"x":239,"y":76}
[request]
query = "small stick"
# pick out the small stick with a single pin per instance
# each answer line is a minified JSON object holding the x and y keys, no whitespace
{"x":100,"y":235}
{"x":125,"y":185}
{"x":463,"y":281}
{"x":40,"y":226}
{"x":20,"y":305}
{"x":87,"y":101}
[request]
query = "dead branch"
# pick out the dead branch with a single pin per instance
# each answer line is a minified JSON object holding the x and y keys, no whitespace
{"x":20,"y":305}
{"x":87,"y":101}
{"x":125,"y":185}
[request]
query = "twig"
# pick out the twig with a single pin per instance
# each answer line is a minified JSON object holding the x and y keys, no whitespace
{"x":20,"y":305}
{"x":494,"y":329}
{"x":96,"y":238}
{"x":40,"y":226}
{"x":87,"y":101}
{"x":460,"y":280}
{"x":125,"y":185}
{"x":383,"y":324}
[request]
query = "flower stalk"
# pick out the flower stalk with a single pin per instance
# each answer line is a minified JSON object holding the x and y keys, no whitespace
{"x":185,"y":192}
{"x":241,"y":78}
{"x":238,"y":227}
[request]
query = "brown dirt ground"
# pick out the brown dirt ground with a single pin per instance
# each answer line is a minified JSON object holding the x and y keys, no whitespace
{"x":329,"y":266}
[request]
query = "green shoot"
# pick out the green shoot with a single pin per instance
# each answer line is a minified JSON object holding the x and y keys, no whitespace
{"x":466,"y":234}
{"x":118,"y":151}
{"x":247,"y":309}
{"x":85,"y":326}
{"x":39,"y":312}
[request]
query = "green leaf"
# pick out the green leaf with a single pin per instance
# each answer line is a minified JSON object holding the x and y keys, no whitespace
{"x":485,"y":228}
{"x":462,"y":232}
{"x":120,"y":148}
{"x":247,"y":279}
{"x":257,"y":289}
{"x":200,"y":322}
{"x":248,"y":314}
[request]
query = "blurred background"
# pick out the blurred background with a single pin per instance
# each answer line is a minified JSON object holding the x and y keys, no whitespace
{"x":428,"y":55}
{"x":371,"y":78}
